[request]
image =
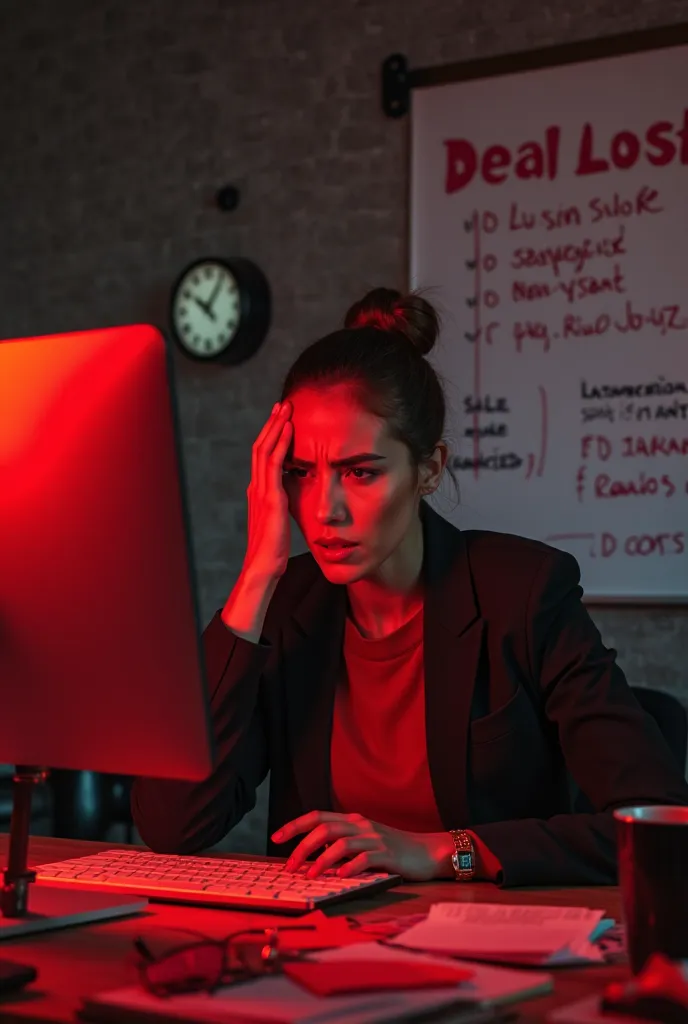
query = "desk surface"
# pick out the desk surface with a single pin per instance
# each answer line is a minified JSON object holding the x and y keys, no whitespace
{"x":84,"y":960}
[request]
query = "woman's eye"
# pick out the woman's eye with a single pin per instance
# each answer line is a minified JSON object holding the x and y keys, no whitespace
{"x":363,"y":474}
{"x":294,"y":471}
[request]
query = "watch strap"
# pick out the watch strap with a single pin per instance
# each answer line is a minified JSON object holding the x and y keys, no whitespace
{"x":463,"y":858}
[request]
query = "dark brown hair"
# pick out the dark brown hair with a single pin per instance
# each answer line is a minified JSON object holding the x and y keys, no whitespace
{"x":381,"y":353}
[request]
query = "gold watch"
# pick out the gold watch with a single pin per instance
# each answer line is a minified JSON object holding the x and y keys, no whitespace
{"x":463,"y":858}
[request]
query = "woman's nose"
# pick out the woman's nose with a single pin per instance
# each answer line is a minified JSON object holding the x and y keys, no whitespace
{"x":330,"y":504}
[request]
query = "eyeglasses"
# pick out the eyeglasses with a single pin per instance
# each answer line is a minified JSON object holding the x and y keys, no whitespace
{"x":203,"y":965}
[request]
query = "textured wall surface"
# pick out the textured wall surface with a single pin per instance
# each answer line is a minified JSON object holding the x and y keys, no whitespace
{"x":120,"y":119}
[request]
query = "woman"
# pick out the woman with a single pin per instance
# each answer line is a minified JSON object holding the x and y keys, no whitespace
{"x":416,"y":691}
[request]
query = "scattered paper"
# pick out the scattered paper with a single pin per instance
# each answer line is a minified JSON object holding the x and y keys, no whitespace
{"x":508,"y":933}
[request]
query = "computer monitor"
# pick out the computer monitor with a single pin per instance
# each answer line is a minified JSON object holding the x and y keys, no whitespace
{"x":100,"y":654}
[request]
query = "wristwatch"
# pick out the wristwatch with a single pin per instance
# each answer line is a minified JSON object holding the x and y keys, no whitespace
{"x":463,"y":858}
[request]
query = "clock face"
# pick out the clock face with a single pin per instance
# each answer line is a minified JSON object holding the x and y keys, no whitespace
{"x":206,"y":309}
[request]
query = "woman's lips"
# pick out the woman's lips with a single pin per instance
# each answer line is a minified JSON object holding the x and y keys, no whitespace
{"x":336,"y":551}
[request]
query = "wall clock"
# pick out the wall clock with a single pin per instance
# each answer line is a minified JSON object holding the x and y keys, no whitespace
{"x":220,"y":309}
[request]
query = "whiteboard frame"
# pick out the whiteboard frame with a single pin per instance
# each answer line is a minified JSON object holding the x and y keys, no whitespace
{"x":551,"y":56}
{"x":639,"y":41}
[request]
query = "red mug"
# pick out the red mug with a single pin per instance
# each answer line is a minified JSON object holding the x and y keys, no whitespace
{"x":652,"y":850}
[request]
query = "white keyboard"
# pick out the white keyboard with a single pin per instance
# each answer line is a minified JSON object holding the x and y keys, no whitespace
{"x":218,"y":881}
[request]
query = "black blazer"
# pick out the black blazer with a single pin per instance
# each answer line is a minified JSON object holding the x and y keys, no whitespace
{"x":525,"y":708}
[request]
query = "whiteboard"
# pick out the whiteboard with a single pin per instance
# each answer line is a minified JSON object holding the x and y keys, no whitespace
{"x":549,"y":223}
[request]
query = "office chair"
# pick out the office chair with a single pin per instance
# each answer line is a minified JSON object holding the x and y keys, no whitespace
{"x":670,"y":715}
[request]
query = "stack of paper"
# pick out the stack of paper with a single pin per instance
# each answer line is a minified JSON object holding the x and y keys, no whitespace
{"x":508,"y":933}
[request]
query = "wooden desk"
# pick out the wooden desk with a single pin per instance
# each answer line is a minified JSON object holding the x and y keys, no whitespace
{"x":79,"y":961}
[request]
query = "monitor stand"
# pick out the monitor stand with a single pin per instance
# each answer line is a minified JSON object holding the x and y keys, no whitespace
{"x":51,"y":908}
{"x":14,"y":896}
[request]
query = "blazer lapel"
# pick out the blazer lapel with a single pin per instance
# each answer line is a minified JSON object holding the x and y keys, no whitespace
{"x":313,"y":663}
{"x":452,"y":642}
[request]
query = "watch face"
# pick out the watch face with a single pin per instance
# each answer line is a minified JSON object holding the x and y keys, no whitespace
{"x":206,"y":309}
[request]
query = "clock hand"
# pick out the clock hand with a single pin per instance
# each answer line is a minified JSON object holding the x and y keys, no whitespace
{"x":205,"y":307}
{"x":215,"y":292}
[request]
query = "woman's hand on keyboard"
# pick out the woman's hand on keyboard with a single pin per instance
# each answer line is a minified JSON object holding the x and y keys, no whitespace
{"x":353,"y":844}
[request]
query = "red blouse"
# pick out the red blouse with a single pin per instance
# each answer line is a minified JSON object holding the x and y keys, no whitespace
{"x":378,"y":751}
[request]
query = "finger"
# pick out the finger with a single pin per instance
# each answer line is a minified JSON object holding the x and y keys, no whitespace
{"x":306,"y":823}
{"x":320,"y":836}
{"x":261,"y":436}
{"x":342,"y":849}
{"x":265,"y":429}
{"x":265,"y":442}
{"x":370,"y":859}
{"x":275,"y":461}
{"x":325,"y":833}
{"x":266,"y":448}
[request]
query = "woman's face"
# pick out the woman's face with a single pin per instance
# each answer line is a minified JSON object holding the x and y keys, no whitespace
{"x":352,"y":488}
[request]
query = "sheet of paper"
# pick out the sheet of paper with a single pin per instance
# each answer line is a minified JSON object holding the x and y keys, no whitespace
{"x":503,"y":931}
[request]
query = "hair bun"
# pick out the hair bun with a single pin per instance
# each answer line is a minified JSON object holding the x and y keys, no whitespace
{"x":389,"y":310}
